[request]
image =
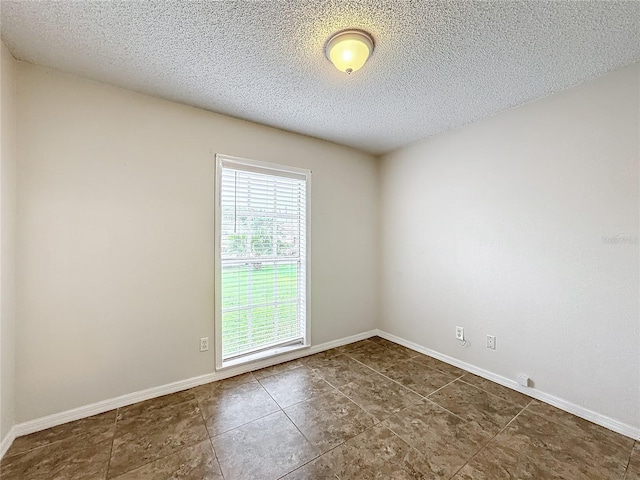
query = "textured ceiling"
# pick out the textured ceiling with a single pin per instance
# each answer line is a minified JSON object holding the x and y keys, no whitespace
{"x":436,"y":65}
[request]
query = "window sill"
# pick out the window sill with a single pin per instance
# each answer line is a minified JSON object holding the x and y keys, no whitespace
{"x":262,"y":356}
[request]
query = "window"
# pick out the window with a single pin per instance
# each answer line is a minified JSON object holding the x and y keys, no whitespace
{"x":261,"y":252}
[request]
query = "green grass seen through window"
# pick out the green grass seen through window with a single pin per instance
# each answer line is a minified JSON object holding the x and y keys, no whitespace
{"x":256,"y":284}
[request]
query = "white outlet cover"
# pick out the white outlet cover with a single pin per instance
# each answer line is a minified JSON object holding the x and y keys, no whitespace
{"x":523,"y":380}
{"x":491,"y":342}
{"x":460,"y":333}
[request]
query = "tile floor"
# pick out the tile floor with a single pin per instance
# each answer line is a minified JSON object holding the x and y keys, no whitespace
{"x":369,"y":410}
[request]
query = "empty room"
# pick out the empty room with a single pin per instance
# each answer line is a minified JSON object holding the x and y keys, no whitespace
{"x":319,"y":240}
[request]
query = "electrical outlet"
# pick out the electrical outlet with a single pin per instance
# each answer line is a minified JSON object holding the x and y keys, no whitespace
{"x":523,"y":380}
{"x":491,"y":342}
{"x":459,"y":333}
{"x":204,"y":344}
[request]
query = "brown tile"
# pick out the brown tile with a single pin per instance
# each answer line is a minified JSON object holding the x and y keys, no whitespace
{"x":152,"y":405}
{"x":340,"y":370}
{"x":633,"y":469}
{"x":490,"y":412}
{"x":438,"y":365}
{"x":84,"y":456}
{"x":267,"y":448}
{"x":317,"y":469}
{"x":499,"y":463}
{"x":155,"y":433}
{"x":574,"y":440}
{"x":279,"y":368}
{"x":394,"y":346}
{"x":192,"y":463}
{"x":377,"y":356}
{"x":445,"y":439}
{"x":376,"y":453}
{"x":534,"y":447}
{"x":505,"y":393}
{"x":418,"y":377}
{"x":293,"y":386}
{"x":104,"y":421}
{"x":352,"y":346}
{"x":213,"y":389}
{"x":320,"y":356}
{"x":579,"y":425}
{"x":209,"y":389}
{"x":230,"y":407}
{"x":329,"y":420}
{"x":380,"y":396}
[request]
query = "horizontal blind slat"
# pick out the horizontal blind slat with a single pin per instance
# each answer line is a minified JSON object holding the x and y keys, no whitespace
{"x":263,"y":245}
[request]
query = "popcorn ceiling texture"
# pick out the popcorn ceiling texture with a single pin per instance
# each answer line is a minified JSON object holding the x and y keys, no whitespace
{"x":436,"y":65}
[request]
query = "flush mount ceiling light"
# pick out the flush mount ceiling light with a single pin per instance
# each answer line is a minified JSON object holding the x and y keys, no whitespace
{"x":349,"y":50}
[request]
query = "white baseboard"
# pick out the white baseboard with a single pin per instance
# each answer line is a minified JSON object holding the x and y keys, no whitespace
{"x":105,"y":405}
{"x":7,"y":441}
{"x":130,"y":398}
{"x":597,"y":418}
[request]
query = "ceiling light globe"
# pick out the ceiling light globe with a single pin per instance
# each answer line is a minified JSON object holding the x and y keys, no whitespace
{"x":349,"y":50}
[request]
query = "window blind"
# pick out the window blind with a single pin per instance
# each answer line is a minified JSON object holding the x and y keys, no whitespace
{"x":263,"y":258}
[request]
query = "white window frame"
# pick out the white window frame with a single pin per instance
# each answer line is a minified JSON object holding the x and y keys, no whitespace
{"x":276,"y":168}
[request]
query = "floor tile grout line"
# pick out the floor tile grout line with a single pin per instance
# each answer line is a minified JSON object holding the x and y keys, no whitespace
{"x":636,"y":443}
{"x":278,"y":364}
{"x":375,"y":424}
{"x":424,"y":397}
{"x":244,"y":424}
{"x":448,"y":365}
{"x":173,"y":404}
{"x":297,"y":428}
{"x":215,"y":454}
{"x":447,"y":410}
{"x":487,"y":392}
{"x":377,"y":421}
{"x":444,"y":386}
{"x":626,"y":468}
{"x":312,"y":460}
{"x":382,"y":374}
{"x":357,"y":405}
{"x":52,"y":443}
{"x":526,"y":408}
{"x":563,"y":425}
{"x":426,"y":366}
{"x":213,"y":449}
{"x":407,"y":443}
{"x":418,"y":354}
{"x":461,"y":378}
{"x":189,"y":445}
{"x":281,"y":408}
{"x":184,"y":447}
{"x":491,"y":439}
{"x":305,"y":437}
{"x":306,"y":399}
{"x":113,"y":439}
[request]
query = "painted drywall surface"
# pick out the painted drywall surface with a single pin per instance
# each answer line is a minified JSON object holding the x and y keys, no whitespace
{"x":8,"y":155}
{"x":115,"y":237}
{"x":525,"y":226}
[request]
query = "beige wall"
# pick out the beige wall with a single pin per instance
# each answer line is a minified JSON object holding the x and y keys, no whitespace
{"x":501,"y":227}
{"x":115,"y":235}
{"x":8,"y":156}
{"x":497,"y":227}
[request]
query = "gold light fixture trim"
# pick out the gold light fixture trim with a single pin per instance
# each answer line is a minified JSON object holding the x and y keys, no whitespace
{"x":349,"y":50}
